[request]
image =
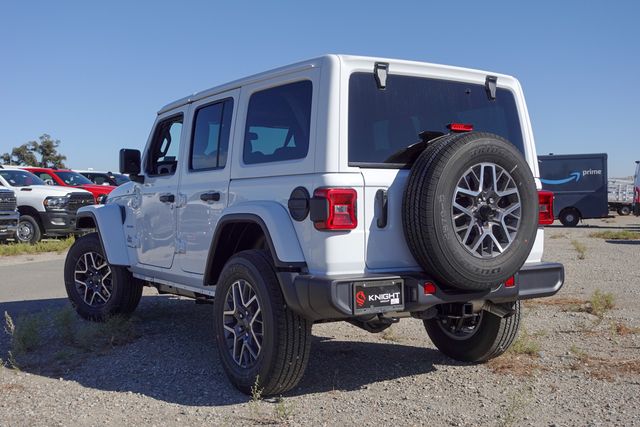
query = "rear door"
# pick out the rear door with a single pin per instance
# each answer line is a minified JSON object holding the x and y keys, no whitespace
{"x":383,"y":124}
{"x":204,"y":188}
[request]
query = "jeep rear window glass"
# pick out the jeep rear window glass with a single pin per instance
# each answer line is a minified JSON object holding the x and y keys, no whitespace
{"x":20,"y":178}
{"x":278,"y":122}
{"x":383,"y":123}
{"x":211,"y":136}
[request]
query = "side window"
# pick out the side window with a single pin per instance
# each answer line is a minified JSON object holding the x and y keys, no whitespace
{"x":163,"y":153}
{"x":278,"y":122}
{"x":210,"y":140}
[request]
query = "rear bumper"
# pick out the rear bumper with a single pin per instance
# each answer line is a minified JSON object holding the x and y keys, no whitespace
{"x":8,"y":223}
{"x":327,"y":298}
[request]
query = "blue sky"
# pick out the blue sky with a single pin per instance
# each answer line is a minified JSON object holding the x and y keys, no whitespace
{"x":93,"y":74}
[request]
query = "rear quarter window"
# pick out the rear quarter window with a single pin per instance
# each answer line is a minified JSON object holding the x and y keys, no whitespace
{"x":278,"y":123}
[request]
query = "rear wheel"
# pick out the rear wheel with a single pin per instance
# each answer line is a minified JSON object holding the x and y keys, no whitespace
{"x":260,"y":340}
{"x":624,"y":210}
{"x":95,"y":288}
{"x":569,"y":217}
{"x":474,"y":339}
{"x":28,"y":230}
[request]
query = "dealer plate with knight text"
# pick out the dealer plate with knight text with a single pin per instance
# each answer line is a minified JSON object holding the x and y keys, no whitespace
{"x":378,"y":296}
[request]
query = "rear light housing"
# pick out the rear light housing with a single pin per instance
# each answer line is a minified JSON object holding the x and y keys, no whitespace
{"x":545,"y":203}
{"x":334,"y":209}
{"x":460,"y":127}
{"x":637,"y":194}
{"x":510,"y":282}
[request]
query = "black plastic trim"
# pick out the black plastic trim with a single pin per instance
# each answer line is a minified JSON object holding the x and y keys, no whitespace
{"x":298,"y":203}
{"x":330,"y":298}
{"x":246,"y":218}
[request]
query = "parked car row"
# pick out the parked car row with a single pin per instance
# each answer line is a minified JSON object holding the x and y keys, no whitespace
{"x":37,"y":202}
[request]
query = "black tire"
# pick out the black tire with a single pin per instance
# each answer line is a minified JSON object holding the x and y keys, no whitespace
{"x":494,"y":335}
{"x":286,"y":336}
{"x":428,"y":216}
{"x":624,"y":210}
{"x":569,"y":217}
{"x":124,"y":290}
{"x":33,"y":235}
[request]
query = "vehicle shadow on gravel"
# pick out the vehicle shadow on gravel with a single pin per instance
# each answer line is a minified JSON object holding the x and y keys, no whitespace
{"x":173,"y":356}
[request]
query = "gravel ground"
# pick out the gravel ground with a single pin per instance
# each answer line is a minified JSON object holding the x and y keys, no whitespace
{"x":573,"y":367}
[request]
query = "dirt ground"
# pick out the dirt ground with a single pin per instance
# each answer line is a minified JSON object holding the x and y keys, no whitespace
{"x":576,"y":361}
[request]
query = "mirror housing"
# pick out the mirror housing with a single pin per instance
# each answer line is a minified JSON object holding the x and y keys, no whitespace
{"x":130,"y":164}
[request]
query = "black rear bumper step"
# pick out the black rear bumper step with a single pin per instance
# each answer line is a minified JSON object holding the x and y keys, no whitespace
{"x":331,"y":297}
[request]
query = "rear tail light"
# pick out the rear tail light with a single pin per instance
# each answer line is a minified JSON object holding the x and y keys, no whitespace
{"x":334,"y":209}
{"x":545,"y":202}
{"x":429,"y":288}
{"x":510,"y":282}
{"x":460,"y":127}
{"x":637,"y":195}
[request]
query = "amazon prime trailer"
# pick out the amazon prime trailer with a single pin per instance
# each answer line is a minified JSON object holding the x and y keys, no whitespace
{"x":579,"y":182}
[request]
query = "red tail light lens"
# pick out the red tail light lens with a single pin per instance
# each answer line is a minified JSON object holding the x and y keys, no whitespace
{"x":429,"y":288}
{"x":460,"y":127}
{"x":545,"y":201}
{"x":334,"y":209}
{"x":510,"y":282}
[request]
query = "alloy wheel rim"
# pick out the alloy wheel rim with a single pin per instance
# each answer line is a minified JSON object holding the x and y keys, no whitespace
{"x":243,"y":323}
{"x":93,"y":279}
{"x":486,"y":210}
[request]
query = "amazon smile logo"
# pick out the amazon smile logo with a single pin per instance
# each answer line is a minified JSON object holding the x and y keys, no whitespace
{"x":573,"y":176}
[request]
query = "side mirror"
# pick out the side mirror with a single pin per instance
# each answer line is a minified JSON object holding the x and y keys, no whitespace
{"x":130,"y":163}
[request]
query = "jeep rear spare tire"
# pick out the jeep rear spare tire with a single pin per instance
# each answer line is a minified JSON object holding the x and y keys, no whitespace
{"x":470,"y":211}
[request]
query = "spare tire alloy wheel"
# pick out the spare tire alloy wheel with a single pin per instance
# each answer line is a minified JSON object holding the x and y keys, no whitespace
{"x":470,"y":210}
{"x":243,"y":326}
{"x":486,"y":210}
{"x":93,"y":279}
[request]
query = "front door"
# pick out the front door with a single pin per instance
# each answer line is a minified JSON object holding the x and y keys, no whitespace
{"x":159,"y":194}
{"x":205,"y":179}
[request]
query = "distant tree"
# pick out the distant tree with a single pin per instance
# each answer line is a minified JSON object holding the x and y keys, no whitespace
{"x":46,"y":148}
{"x":21,"y":156}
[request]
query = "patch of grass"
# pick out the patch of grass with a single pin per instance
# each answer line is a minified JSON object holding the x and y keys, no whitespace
{"x":616,"y":235}
{"x":556,"y":301}
{"x":525,"y":344}
{"x":580,"y":248}
{"x":256,"y":390}
{"x":63,"y":321}
{"x":59,"y":246}
{"x":282,"y":410}
{"x":116,"y":330}
{"x":602,"y":368}
{"x":599,"y":303}
{"x":25,"y":332}
{"x":558,"y":236}
{"x":621,"y":329}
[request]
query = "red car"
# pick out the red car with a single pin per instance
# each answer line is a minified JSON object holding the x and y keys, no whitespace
{"x":69,"y":178}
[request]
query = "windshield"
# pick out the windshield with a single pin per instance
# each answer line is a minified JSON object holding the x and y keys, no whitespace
{"x":73,"y":178}
{"x":384,"y":123}
{"x":20,"y":178}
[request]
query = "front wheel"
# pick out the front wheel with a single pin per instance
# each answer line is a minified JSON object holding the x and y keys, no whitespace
{"x":95,"y":288}
{"x":474,"y":339}
{"x":260,"y":340}
{"x":28,"y":230}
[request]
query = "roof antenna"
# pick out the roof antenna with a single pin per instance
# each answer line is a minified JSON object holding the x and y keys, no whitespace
{"x":380,"y":72}
{"x":490,"y":86}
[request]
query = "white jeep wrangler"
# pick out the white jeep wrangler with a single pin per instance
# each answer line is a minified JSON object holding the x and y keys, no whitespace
{"x":339,"y":188}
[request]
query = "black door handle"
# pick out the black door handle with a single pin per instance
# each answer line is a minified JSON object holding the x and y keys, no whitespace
{"x":212,"y":196}
{"x":167,"y":198}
